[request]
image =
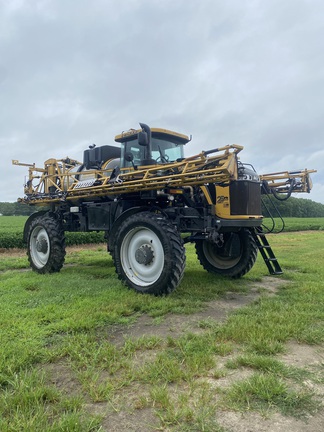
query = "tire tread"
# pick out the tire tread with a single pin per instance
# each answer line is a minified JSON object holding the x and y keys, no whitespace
{"x":168,"y":283}
{"x":57,"y":244}
{"x":245,"y":264}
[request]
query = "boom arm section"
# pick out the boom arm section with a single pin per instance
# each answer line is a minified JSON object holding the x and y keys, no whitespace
{"x":285,"y":183}
{"x":57,"y":181}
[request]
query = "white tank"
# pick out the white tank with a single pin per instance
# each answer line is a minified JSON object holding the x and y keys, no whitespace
{"x":83,"y":178}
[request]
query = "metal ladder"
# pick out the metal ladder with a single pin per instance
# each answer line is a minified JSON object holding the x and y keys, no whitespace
{"x":266,"y":252}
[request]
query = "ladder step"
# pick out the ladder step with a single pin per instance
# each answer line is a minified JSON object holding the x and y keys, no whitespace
{"x":267,"y":252}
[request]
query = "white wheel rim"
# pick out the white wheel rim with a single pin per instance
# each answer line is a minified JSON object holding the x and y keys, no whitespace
{"x":142,"y":256}
{"x":39,"y":247}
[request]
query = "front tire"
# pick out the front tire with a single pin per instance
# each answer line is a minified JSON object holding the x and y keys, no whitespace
{"x":45,"y":245}
{"x":149,"y":255}
{"x":234,"y":258}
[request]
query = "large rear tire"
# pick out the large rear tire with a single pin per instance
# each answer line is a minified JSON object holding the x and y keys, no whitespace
{"x":234,"y":258}
{"x":148,"y":254}
{"x":45,"y":245}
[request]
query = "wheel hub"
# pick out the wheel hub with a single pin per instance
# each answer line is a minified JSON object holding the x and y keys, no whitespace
{"x":144,"y":255}
{"x":41,"y":245}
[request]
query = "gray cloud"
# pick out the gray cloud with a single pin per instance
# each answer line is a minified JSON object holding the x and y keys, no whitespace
{"x":74,"y":73}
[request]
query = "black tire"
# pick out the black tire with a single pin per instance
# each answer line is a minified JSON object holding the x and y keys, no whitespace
{"x":148,"y":254}
{"x":234,"y":258}
{"x":45,"y":245}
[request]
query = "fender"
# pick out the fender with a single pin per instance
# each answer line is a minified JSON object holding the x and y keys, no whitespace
{"x":29,"y":221}
{"x":34,"y":216}
{"x":119,"y":221}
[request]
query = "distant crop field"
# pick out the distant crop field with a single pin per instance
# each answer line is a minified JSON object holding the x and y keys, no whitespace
{"x":12,"y":223}
{"x":297,"y":224}
{"x":11,"y":234}
{"x":11,"y":230}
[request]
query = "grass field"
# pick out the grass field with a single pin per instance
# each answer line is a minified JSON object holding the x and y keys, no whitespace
{"x":80,"y":352}
{"x":297,"y":224}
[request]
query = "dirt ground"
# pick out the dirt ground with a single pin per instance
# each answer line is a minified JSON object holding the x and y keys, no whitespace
{"x":130,"y":419}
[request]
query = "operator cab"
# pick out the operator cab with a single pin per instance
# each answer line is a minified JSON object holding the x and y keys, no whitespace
{"x":148,"y":146}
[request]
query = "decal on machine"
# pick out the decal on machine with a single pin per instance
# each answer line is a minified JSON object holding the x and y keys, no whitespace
{"x":221,"y":199}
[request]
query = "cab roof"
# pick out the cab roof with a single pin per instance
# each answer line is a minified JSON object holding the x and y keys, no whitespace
{"x":164,"y":134}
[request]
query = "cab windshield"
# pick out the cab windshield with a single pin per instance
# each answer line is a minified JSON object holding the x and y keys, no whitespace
{"x":166,"y":151}
{"x":162,"y":151}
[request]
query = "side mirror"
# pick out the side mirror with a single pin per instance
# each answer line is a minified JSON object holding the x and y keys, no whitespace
{"x":143,"y":138}
{"x":129,"y":157}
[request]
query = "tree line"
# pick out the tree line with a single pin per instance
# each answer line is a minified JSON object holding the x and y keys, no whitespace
{"x":293,"y":207}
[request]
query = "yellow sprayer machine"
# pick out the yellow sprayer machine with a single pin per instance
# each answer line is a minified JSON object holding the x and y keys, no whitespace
{"x":150,"y":200}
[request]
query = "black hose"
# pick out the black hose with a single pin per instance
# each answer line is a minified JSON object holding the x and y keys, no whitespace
{"x":288,"y":194}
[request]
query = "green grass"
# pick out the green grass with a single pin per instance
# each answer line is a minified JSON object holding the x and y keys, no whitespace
{"x":268,"y":364}
{"x":297,"y":224}
{"x":11,"y":229}
{"x":12,"y":223}
{"x":64,"y":320}
{"x":263,"y":392}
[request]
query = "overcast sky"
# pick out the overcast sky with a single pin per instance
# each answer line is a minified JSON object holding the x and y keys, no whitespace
{"x":250,"y":72}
